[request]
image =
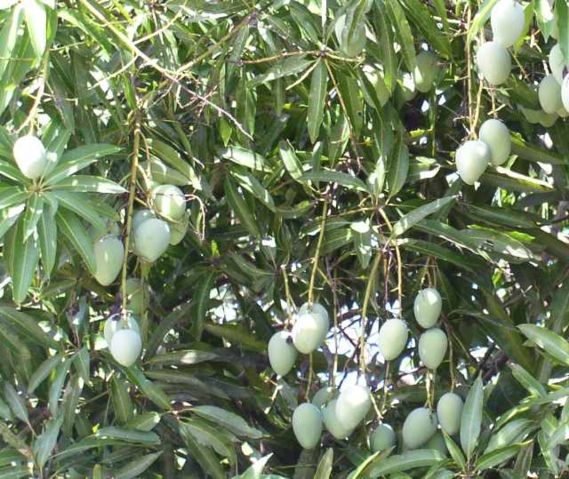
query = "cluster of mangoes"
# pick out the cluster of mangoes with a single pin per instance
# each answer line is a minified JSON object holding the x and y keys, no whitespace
{"x":340,"y":412}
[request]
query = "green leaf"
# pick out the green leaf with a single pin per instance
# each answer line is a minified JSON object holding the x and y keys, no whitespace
{"x":244,"y":157}
{"x":57,"y":386}
{"x":32,"y":214}
{"x":9,"y":37}
{"x":16,"y":403}
{"x":42,"y":372}
{"x":136,"y":467}
{"x":409,"y":460}
{"x":210,"y":436}
{"x":256,"y":470}
{"x":148,"y":388}
{"x":403,"y":31}
{"x":294,"y":65}
{"x":330,"y":176}
{"x":249,"y":183}
{"x":551,"y":343}
{"x":455,"y":452}
{"x":562,"y":14}
{"x":70,"y":225}
{"x":12,"y":195}
{"x":27,"y":325}
{"x":204,"y":456}
{"x":24,"y":260}
{"x":317,"y":99}
{"x":290,"y":160}
{"x":127,"y":435}
{"x":496,"y":457}
{"x":47,"y":235}
{"x":480,"y":19}
{"x":90,"y":184}
{"x":36,"y":20}
{"x":79,"y":205}
{"x":228,"y":420}
{"x":527,"y":380}
{"x":45,"y":443}
{"x":240,"y":207}
{"x":324,"y":469}
{"x":144,"y":422}
{"x":512,"y":431}
{"x":75,"y":160}
{"x":122,"y":405}
{"x":397,"y":166}
{"x":471,"y":418}
{"x":416,"y":215}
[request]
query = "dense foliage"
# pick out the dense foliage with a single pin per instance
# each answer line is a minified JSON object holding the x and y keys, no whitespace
{"x":313,"y":171}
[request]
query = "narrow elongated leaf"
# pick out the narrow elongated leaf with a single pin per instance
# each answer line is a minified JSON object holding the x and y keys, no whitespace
{"x":78,"y":204}
{"x":496,"y":457}
{"x":46,"y":441}
{"x":148,"y":388}
{"x":403,"y":32}
{"x":23,"y":263}
{"x":90,"y":184}
{"x":471,"y":418}
{"x":397,"y":167}
{"x":404,"y":462}
{"x":210,"y":436}
{"x":68,"y":223}
{"x":137,"y":466}
{"x":256,"y":470}
{"x":248,"y":182}
{"x":290,"y":160}
{"x":324,"y":469}
{"x":228,"y":420}
{"x":16,"y":403}
{"x":9,"y":171}
{"x":330,"y":176}
{"x":47,"y":234}
{"x":122,"y":404}
{"x":12,"y":195}
{"x":42,"y":372}
{"x":36,"y":21}
{"x":317,"y":99}
{"x":27,"y":325}
{"x":412,"y":218}
{"x":32,"y":214}
{"x":550,"y":342}
{"x":294,"y":65}
{"x":56,"y":386}
{"x":244,"y":157}
{"x":204,"y":456}
{"x":9,"y":37}
{"x":127,"y":435}
{"x":240,"y":208}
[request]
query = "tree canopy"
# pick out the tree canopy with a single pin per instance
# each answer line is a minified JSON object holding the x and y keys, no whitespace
{"x":210,"y":173}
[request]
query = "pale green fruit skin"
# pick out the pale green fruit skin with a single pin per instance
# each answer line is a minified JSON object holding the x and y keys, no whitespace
{"x":352,"y":406}
{"x":322,"y":396}
{"x":547,"y":120}
{"x":507,"y":20}
{"x":308,"y":331}
{"x":111,"y":227}
{"x":109,"y":256}
{"x":331,"y":422}
{"x":449,"y":411}
{"x":427,"y":307}
{"x":112,"y":326}
{"x":30,"y":156}
{"x":565,"y":93}
{"x":549,"y":93}
{"x":562,"y":112}
{"x":126,"y":346}
{"x":433,"y":345}
{"x":307,"y":425}
{"x":408,"y":88}
{"x":472,"y":159}
{"x":426,"y":71}
{"x":282,"y":354}
{"x":169,"y":201}
{"x":320,"y":310}
{"x":375,"y":77}
{"x":178,"y":231}
{"x":497,"y":136}
{"x":494,"y":63}
{"x":392,"y":338}
{"x":151,"y":239}
{"x":556,"y":63}
{"x":382,"y":438}
{"x":419,"y":426}
{"x":437,"y":442}
{"x":140,"y":216}
{"x":136,"y":298}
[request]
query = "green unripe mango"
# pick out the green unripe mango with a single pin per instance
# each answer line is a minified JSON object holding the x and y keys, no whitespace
{"x":109,"y":256}
{"x":126,"y":346}
{"x":419,"y":426}
{"x":507,"y":20}
{"x":375,"y":77}
{"x":352,"y":406}
{"x":433,"y":345}
{"x":494,"y":63}
{"x":282,"y":353}
{"x":565,"y":92}
{"x":437,"y":443}
{"x":307,"y":425}
{"x":557,"y":63}
{"x":549,"y":94}
{"x":114,"y":324}
{"x":30,"y":156}
{"x":136,"y":296}
{"x":408,"y":89}
{"x":382,"y":438}
{"x":169,"y":202}
{"x":472,"y":159}
{"x":426,"y":71}
{"x":334,"y":427}
{"x":140,"y":216}
{"x":497,"y":136}
{"x":308,"y":331}
{"x":151,"y":239}
{"x":449,"y":411}
{"x":178,"y":230}
{"x":427,"y":307}
{"x":322,"y":396}
{"x":392,"y":338}
{"x":320,"y":310}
